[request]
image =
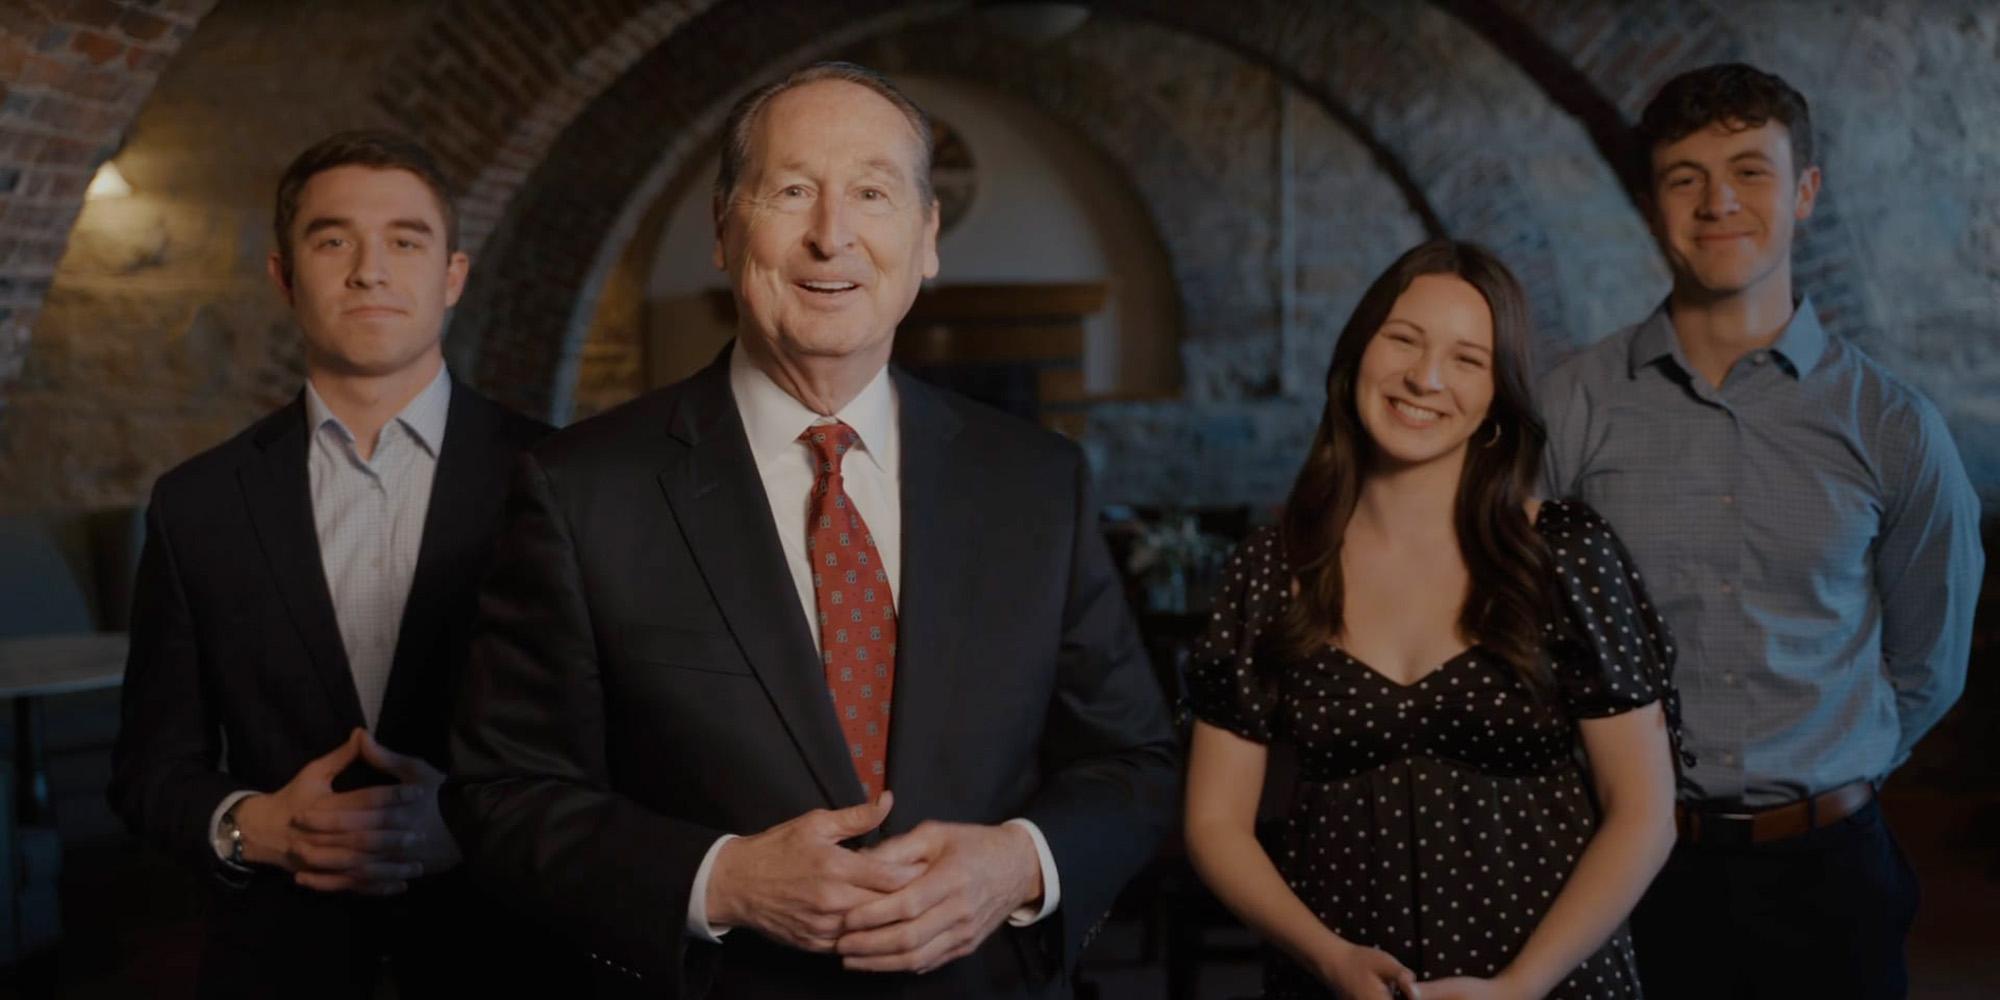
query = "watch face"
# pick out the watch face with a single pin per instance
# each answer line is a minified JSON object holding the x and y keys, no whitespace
{"x":229,"y":837}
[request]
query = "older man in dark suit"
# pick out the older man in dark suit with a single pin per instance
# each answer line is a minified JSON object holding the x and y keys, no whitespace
{"x":801,"y":677}
{"x":303,"y":608}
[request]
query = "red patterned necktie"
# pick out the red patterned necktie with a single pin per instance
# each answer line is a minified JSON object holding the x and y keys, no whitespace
{"x":857,"y":613}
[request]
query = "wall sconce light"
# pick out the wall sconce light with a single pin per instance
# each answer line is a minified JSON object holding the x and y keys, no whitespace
{"x":108,"y":183}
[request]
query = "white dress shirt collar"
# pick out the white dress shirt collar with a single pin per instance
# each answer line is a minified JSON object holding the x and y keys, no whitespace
{"x":424,"y":416}
{"x":773,"y":419}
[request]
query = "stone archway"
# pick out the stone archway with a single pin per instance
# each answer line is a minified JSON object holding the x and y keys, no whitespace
{"x":521,"y":323}
{"x":1375,"y":66}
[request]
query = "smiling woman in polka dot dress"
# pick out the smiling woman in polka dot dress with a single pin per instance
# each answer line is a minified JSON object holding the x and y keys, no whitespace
{"x":1433,"y":646}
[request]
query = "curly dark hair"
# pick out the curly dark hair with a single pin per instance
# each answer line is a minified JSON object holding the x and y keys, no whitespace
{"x":1728,"y":93}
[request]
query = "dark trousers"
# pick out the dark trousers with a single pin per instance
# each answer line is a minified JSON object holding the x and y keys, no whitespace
{"x":1823,"y":915}
{"x":442,"y":939}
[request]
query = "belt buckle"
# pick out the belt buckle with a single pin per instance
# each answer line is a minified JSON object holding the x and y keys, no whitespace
{"x":1726,"y":829}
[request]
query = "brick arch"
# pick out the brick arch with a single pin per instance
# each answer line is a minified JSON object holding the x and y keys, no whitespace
{"x":521,"y":327}
{"x":559,"y":160}
{"x":490,"y":84}
{"x":1207,"y":216}
{"x":72,"y":78}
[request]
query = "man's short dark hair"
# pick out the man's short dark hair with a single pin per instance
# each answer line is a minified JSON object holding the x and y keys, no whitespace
{"x":1731,"y":94}
{"x":742,"y":122}
{"x":377,"y":148}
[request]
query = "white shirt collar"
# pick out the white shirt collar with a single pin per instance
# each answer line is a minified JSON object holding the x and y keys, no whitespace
{"x":773,"y":419}
{"x":424,"y":415}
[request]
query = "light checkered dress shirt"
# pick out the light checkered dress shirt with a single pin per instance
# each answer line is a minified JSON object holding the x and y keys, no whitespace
{"x":1807,"y":530}
{"x":370,"y":519}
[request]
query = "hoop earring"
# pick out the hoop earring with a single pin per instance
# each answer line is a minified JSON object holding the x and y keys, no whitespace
{"x":1494,"y":438}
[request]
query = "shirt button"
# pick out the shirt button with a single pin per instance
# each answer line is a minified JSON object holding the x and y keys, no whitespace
{"x":1728,"y":499}
{"x":1729,"y":677}
{"x":1729,"y":758}
{"x":1727,"y":588}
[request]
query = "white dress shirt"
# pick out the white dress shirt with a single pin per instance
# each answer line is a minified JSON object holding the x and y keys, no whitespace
{"x":773,"y":421}
{"x":369,"y":517}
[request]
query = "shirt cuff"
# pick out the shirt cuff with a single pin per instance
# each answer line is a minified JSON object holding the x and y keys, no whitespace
{"x":215,"y":838}
{"x":1051,"y":885}
{"x":698,"y":926}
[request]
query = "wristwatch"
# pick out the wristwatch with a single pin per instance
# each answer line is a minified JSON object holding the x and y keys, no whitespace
{"x":229,"y":836}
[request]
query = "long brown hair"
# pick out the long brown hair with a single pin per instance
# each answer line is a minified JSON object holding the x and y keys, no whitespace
{"x":1510,"y":598}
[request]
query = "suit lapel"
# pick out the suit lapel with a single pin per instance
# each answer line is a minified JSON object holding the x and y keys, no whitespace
{"x":938,"y":523}
{"x":471,"y":473}
{"x":719,"y":503}
{"x":279,"y":496}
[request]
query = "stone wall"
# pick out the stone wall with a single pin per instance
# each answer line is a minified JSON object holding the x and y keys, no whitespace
{"x":1906,"y":103}
{"x":1284,"y":152}
{"x":71,"y":77}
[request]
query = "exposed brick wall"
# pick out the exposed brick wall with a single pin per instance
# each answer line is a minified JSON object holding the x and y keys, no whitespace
{"x":521,"y":327}
{"x":561,"y":129}
{"x":1492,"y":156}
{"x":1372,"y":66}
{"x":1489,"y":157}
{"x":1906,"y":106}
{"x":161,"y":335}
{"x":1626,"y":53}
{"x":489,"y":84}
{"x":1194,"y":128}
{"x":71,"y":77}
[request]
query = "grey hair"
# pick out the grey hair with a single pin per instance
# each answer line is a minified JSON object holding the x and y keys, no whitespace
{"x":742,"y":120}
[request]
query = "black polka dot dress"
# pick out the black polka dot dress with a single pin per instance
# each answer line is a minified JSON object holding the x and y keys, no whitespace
{"x":1437,"y":821}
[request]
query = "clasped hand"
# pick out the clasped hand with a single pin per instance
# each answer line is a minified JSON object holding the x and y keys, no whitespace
{"x":1363,"y":973}
{"x":909,"y":904}
{"x":371,"y":841}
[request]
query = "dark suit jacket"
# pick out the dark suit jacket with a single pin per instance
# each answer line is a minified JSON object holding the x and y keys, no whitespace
{"x":645,"y":680}
{"x":237,"y":675}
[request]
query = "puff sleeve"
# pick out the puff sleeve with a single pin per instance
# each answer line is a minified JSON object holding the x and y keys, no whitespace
{"x":1226,"y":685}
{"x":1612,"y":651}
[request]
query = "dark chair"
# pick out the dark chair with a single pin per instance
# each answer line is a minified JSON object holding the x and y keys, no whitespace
{"x":1178,"y":916}
{"x":59,"y":575}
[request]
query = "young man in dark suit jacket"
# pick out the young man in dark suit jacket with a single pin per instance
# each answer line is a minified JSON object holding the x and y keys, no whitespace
{"x":678,"y":740}
{"x":304,"y":604}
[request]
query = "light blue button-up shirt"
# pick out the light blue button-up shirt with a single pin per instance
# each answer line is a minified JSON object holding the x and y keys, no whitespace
{"x":1807,"y":530}
{"x":370,"y":518}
